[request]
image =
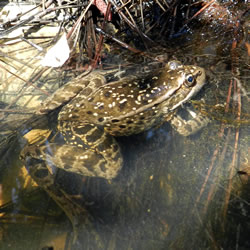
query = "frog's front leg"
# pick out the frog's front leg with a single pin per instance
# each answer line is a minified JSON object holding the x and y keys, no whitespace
{"x":191,"y":126}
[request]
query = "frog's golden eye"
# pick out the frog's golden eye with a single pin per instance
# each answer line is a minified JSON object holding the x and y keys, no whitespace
{"x":189,"y":81}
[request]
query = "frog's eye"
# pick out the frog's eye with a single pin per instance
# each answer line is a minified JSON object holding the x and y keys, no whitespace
{"x":190,"y":81}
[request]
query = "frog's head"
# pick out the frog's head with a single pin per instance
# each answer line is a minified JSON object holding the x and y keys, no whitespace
{"x":181,"y":84}
{"x":157,"y":93}
{"x":167,"y":89}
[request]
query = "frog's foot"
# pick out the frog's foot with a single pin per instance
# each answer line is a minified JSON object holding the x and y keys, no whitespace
{"x":36,"y":167}
{"x":191,"y":126}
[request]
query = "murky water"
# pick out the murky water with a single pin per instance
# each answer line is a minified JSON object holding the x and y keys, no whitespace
{"x":154,"y":203}
{"x":172,"y":193}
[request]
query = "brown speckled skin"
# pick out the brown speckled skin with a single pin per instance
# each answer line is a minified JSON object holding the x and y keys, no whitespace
{"x":93,"y":112}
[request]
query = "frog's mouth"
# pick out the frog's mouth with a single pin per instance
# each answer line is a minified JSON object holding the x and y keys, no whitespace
{"x":191,"y":94}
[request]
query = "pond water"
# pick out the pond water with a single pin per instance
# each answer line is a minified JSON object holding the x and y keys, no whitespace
{"x":173,"y":192}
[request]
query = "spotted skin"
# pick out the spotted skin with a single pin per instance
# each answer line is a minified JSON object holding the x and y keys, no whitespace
{"x":93,"y":112}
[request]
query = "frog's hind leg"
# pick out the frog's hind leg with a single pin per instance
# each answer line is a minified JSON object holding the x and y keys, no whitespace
{"x":81,"y":161}
{"x":41,"y":174}
{"x":88,"y":150}
{"x":87,"y":162}
{"x":84,"y":84}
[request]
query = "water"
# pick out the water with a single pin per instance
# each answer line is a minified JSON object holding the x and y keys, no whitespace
{"x":153,"y":204}
{"x":172,"y":193}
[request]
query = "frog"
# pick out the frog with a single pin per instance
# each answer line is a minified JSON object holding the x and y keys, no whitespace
{"x":91,"y":113}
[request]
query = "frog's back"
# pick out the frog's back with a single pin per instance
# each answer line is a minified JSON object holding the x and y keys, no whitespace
{"x":121,"y":104}
{"x":132,"y":104}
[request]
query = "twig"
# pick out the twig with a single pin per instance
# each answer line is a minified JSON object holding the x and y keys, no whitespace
{"x":27,"y":82}
{"x":100,"y":43}
{"x":23,"y":88}
{"x":236,"y":142}
{"x":20,"y":24}
{"x":78,"y":22}
{"x":132,"y":25}
{"x":195,"y":15}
